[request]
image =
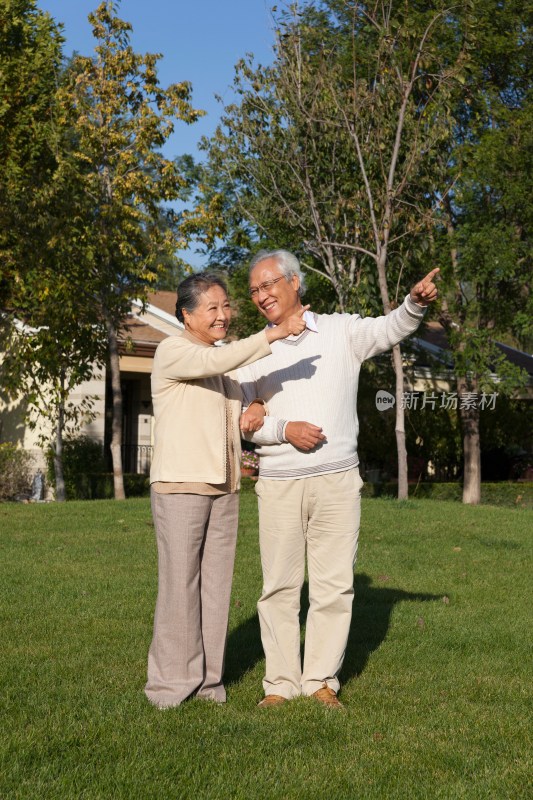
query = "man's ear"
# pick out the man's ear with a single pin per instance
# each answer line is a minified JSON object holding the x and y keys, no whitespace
{"x":295,"y":280}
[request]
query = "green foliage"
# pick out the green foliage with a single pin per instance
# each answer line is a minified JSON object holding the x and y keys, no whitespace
{"x":82,"y":456}
{"x":434,"y":435}
{"x":507,"y":494}
{"x":83,"y":181}
{"x":484,"y":242}
{"x":30,"y":64}
{"x":333,"y":150}
{"x":431,"y":435}
{"x":119,"y":118}
{"x":100,"y":486}
{"x":395,"y":136}
{"x":507,"y":440}
{"x":84,"y":468}
{"x":85,"y":475}
{"x":15,"y":471}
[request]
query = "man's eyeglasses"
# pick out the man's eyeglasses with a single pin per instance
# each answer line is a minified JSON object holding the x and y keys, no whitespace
{"x":263,"y":287}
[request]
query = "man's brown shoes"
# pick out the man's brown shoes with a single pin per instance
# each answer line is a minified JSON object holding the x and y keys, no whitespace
{"x":328,"y":697}
{"x":272,"y":700}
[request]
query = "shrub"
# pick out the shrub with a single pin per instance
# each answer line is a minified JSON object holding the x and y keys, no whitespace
{"x":82,"y":458}
{"x":101,"y":486}
{"x":15,"y":471}
{"x":496,"y":494}
{"x":85,"y":473}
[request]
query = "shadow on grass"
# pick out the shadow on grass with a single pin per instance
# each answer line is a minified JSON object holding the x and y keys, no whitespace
{"x":372,"y":611}
{"x":243,"y":651}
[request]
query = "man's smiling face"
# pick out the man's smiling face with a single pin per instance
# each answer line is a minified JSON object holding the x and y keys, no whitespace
{"x":279,"y":300}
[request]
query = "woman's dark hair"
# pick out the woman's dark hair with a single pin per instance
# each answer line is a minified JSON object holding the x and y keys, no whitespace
{"x":191,"y":289}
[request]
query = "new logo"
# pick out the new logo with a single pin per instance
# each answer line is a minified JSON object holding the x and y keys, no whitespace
{"x":384,"y":400}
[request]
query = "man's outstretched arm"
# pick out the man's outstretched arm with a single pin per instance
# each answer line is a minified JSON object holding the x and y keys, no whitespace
{"x":371,"y":336}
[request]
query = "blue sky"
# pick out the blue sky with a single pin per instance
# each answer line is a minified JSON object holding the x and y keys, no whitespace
{"x":200,"y":41}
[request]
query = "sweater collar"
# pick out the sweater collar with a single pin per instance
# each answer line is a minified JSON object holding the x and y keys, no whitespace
{"x":311,"y":321}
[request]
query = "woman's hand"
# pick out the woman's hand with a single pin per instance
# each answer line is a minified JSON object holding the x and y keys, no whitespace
{"x":292,"y":326}
{"x":252,"y":419}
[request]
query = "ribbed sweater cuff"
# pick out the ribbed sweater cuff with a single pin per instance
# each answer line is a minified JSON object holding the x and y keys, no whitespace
{"x":413,"y":309}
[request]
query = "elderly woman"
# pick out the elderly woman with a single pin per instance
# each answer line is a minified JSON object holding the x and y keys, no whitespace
{"x":195,"y":480}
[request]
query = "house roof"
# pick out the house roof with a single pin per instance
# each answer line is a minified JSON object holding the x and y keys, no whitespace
{"x":144,"y":329}
{"x":523,"y":360}
{"x":433,"y":339}
{"x":166,"y":301}
{"x":140,"y":331}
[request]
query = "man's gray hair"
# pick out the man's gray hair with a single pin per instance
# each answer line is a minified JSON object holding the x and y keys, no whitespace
{"x":287,"y":263}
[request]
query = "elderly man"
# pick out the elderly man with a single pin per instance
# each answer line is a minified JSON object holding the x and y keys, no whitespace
{"x":309,"y":486}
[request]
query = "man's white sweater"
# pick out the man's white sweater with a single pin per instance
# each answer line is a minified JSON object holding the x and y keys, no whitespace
{"x":314,"y":378}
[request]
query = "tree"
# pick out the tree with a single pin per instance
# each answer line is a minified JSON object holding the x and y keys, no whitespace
{"x":170,"y":268}
{"x":486,"y":221}
{"x":119,"y":117}
{"x":332,"y":150}
{"x":30,"y":63}
{"x":46,"y":351}
{"x":47,"y":362}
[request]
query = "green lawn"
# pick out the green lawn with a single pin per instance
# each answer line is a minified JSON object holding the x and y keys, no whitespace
{"x":437,"y":678}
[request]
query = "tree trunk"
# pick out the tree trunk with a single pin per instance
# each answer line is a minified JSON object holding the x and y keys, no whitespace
{"x":401,"y":449}
{"x":58,"y":454}
{"x":469,"y":416}
{"x":471,"y":448}
{"x":403,"y":490}
{"x":116,"y":424}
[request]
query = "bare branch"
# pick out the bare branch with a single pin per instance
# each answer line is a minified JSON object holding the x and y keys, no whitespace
{"x":353,"y":247}
{"x":318,"y":271}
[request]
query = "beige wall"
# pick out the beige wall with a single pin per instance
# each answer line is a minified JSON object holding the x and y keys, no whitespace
{"x":136,"y":364}
{"x":14,"y":429}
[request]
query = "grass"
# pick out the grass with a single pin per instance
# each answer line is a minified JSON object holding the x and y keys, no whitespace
{"x":437,"y":677}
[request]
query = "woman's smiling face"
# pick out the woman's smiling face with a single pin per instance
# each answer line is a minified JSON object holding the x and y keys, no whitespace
{"x":210,"y":319}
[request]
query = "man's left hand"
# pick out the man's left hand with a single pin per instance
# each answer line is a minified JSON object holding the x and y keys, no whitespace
{"x":425,"y":292}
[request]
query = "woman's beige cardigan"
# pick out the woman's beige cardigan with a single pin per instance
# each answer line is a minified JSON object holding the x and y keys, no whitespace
{"x":188,"y":394}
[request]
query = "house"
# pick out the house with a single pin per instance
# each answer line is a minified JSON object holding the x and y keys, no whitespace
{"x":142,"y":333}
{"x":433,"y":362}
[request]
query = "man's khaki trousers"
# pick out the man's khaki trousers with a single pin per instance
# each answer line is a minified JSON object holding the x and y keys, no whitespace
{"x":319,"y":514}
{"x":196,"y":538}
